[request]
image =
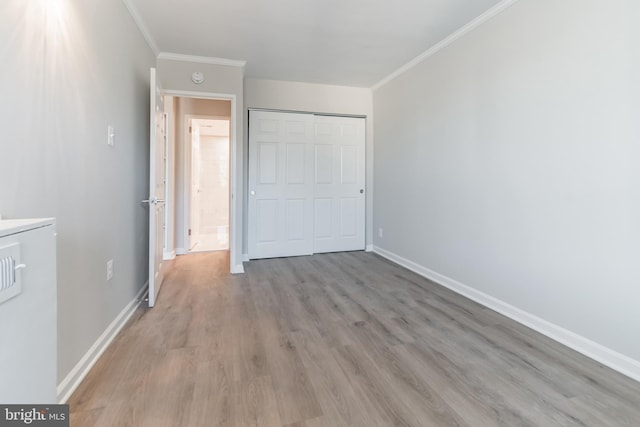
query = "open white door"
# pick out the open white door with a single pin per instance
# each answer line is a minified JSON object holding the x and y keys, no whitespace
{"x":156,"y":188}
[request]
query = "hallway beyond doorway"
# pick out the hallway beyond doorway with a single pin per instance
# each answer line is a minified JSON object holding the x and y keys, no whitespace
{"x":217,"y":240}
{"x":209,"y":230}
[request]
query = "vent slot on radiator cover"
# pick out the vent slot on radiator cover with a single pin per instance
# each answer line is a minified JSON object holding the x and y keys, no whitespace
{"x":10,"y":266}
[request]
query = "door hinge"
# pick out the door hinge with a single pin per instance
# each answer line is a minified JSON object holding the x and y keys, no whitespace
{"x":189,"y":129}
{"x":189,"y":232}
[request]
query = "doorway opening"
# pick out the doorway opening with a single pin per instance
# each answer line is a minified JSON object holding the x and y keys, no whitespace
{"x":203,"y":114}
{"x":209,"y":212}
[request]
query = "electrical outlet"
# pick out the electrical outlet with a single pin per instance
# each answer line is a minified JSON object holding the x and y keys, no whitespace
{"x":109,"y":269}
{"x":380,"y":232}
{"x":111,"y":136}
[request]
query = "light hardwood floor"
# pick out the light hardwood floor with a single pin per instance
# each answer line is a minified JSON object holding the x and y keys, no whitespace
{"x":337,"y":340}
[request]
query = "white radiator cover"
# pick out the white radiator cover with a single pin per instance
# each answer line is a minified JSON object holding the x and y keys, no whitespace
{"x":28,"y":311}
{"x":10,"y":266}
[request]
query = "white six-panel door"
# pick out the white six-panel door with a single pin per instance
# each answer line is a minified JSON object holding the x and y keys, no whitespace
{"x":157,"y":182}
{"x":306,"y":184}
{"x":280,"y":184}
{"x":339,"y":200}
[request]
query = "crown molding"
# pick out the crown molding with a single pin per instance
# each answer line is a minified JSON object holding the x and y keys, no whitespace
{"x":486,"y":16}
{"x":141,"y":26}
{"x":202,"y":59}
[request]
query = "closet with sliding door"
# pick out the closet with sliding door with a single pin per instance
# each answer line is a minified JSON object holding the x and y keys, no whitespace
{"x":306,"y":184}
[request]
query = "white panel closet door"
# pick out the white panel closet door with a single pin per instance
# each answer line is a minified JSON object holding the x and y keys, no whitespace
{"x":339,"y":178}
{"x":280,"y":184}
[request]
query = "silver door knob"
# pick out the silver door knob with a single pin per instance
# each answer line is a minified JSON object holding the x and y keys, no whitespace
{"x":153,"y":201}
{"x":253,"y":193}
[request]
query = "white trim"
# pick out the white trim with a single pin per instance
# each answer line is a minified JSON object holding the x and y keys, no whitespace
{"x":202,"y":59}
{"x":170,"y":178}
{"x":368,"y":248}
{"x":245,"y":258}
{"x":235,"y":222}
{"x":313,"y":113}
{"x":142,"y":27}
{"x":166,"y":255}
{"x":486,"y":16}
{"x":204,"y":95}
{"x":617,"y":361}
{"x":73,"y":379}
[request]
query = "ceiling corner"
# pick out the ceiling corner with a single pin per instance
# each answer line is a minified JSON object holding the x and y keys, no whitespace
{"x":142,"y":26}
{"x":485,"y":17}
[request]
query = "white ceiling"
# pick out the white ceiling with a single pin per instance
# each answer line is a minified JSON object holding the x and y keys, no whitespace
{"x":344,"y":42}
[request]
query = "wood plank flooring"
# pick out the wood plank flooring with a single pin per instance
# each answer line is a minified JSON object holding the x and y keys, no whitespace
{"x":344,"y":339}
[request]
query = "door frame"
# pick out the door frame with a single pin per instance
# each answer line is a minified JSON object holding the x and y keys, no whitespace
{"x":188,"y":165}
{"x":235,"y":223}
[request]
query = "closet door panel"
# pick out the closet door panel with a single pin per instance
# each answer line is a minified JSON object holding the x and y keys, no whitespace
{"x":340,"y":178}
{"x":280,"y":184}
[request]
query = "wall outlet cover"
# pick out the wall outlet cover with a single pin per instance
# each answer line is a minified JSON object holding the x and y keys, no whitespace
{"x":111,"y":136}
{"x":110,"y":269}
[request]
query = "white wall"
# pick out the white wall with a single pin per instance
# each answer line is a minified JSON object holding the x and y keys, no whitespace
{"x":317,"y":98}
{"x":219,"y":79}
{"x":69,"y":69}
{"x":509,"y":162}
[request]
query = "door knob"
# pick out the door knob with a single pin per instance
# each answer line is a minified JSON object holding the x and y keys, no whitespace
{"x":253,"y":193}
{"x":153,"y":201}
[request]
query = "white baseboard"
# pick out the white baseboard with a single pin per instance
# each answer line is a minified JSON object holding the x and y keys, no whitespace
{"x":69,"y":384}
{"x":368,"y":248}
{"x":166,"y":256}
{"x":237,"y":269}
{"x":181,"y":251}
{"x":617,"y":361}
